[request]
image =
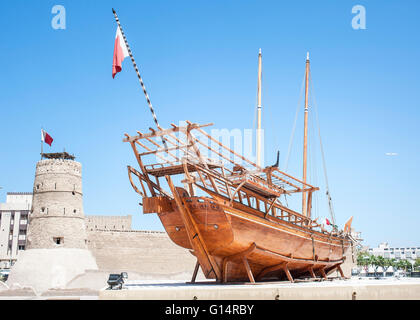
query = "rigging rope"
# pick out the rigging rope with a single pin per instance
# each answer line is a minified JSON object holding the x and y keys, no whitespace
{"x":330,"y":205}
{"x":294,"y":124}
{"x":139,"y":78}
{"x":313,"y":163}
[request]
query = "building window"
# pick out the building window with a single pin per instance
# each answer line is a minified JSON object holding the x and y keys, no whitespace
{"x":58,"y":240}
{"x":21,"y":247}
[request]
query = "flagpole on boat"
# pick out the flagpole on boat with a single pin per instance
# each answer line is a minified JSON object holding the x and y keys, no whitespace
{"x":138,"y":75}
{"x":305,"y":136}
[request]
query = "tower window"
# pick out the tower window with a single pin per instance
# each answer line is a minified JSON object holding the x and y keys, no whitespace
{"x":58,"y":240}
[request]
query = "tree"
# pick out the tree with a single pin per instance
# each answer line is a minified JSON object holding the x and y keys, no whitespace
{"x":379,"y":262}
{"x":408,"y":265}
{"x":372,"y":262}
{"x":417,"y":263}
{"x":394,"y":264}
{"x":363,"y":260}
{"x":387,"y":263}
{"x":404,"y":265}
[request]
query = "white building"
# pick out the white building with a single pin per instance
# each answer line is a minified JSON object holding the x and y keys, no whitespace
{"x":384,"y":250}
{"x":13,"y":225}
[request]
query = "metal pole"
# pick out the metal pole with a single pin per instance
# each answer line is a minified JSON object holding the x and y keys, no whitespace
{"x":42,"y":140}
{"x":305,"y":136}
{"x":138,"y":75}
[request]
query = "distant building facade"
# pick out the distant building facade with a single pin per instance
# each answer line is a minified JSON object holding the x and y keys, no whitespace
{"x":14,"y":215}
{"x":398,"y":253}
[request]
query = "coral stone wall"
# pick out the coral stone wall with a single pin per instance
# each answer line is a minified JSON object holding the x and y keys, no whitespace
{"x":57,"y":206}
{"x":146,"y":252}
{"x":120,"y":223}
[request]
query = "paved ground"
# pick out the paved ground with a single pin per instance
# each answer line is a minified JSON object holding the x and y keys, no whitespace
{"x":355,"y":288}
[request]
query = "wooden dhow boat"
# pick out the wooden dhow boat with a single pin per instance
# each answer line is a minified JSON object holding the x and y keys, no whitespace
{"x":227,"y":209}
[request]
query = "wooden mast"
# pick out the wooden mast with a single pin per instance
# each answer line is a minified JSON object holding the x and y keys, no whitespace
{"x":305,"y":136}
{"x":259,"y":110}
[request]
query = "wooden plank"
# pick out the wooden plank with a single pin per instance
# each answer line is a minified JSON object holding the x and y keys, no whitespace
{"x":270,"y":269}
{"x":156,"y":204}
{"x":173,"y":170}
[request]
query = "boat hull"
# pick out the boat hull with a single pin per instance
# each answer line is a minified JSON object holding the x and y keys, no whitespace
{"x":272,"y":247}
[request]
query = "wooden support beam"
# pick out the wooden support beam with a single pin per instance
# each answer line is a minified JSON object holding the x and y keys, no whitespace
{"x":165,"y":132}
{"x":289,"y":276}
{"x":311,"y":271}
{"x":322,"y":271}
{"x":248,"y":269}
{"x":194,"y":276}
{"x":241,"y":255}
{"x":207,"y":262}
{"x":309,"y":206}
{"x":341,"y":271}
{"x":145,"y":175}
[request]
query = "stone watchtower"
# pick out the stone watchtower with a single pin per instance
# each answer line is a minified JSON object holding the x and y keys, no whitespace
{"x":57,"y":218}
{"x":56,"y":240}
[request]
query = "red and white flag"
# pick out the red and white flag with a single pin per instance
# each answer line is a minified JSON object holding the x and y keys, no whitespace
{"x":45,"y":137}
{"x":120,"y":52}
{"x":328,"y":223}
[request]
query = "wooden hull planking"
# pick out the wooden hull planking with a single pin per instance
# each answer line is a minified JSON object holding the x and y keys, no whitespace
{"x":272,"y":247}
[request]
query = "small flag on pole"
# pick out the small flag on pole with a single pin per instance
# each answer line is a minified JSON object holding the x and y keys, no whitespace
{"x":328,"y":223}
{"x":45,"y":137}
{"x":120,"y":52}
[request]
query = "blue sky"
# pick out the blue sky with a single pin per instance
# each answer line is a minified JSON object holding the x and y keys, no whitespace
{"x":199,"y":62}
